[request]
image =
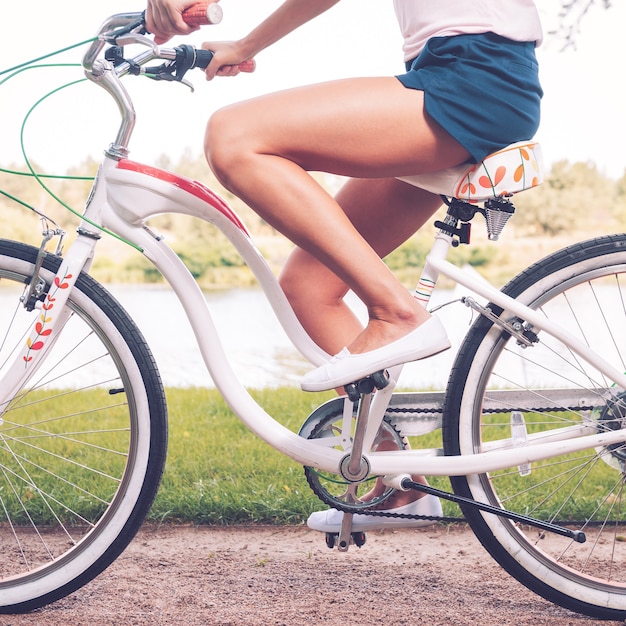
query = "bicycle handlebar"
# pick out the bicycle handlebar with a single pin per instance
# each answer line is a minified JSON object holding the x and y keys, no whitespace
{"x":126,"y":29}
{"x":210,"y":12}
{"x":204,"y":57}
{"x":203,"y":13}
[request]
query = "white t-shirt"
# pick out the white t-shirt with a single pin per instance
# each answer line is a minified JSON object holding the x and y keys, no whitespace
{"x":422,"y":19}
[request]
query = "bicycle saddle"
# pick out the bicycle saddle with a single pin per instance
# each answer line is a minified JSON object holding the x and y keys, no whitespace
{"x":504,"y":173}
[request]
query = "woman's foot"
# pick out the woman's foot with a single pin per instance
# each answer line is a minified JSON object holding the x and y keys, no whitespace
{"x":427,"y":339}
{"x":329,"y":521}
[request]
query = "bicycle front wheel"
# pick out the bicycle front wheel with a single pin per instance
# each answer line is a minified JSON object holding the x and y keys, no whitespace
{"x":504,"y":394}
{"x":82,"y":449}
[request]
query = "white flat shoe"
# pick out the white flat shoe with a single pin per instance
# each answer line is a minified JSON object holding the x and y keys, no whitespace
{"x":329,"y":521}
{"x":426,"y":340}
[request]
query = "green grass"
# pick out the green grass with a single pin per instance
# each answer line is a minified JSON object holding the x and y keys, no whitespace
{"x":217,"y":471}
{"x":62,"y":454}
{"x":89,"y":430}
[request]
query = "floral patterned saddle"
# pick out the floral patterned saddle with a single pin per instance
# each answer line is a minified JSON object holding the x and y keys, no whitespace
{"x":504,"y":173}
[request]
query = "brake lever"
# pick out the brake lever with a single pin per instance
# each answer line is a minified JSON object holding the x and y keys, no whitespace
{"x":175,"y":70}
{"x":137,"y":38}
{"x":165,"y":72}
{"x":137,"y":26}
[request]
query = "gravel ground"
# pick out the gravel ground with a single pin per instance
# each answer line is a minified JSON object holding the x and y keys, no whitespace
{"x":286,"y":576}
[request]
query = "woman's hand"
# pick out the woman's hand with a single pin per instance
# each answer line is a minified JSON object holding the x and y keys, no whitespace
{"x":164,"y":19}
{"x":229,"y":59}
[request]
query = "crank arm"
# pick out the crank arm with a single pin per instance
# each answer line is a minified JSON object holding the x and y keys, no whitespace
{"x":345,"y":533}
{"x":576,"y":535}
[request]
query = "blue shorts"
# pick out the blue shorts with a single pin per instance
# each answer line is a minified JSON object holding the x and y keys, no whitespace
{"x":482,"y":89}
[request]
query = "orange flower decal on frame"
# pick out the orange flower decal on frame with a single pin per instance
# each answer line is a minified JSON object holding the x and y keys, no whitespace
{"x":42,"y":331}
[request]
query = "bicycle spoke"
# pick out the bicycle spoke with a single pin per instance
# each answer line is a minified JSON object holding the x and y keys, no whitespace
{"x":82,"y":445}
{"x":561,"y":396}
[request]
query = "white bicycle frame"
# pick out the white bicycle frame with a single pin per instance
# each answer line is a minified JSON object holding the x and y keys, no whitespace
{"x":124,"y":199}
{"x":126,"y":196}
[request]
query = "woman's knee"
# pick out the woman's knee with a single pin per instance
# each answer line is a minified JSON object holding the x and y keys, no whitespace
{"x":224,"y":144}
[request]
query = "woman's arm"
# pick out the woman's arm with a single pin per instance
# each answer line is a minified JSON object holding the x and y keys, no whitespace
{"x":285,"y":19}
{"x":164,"y":19}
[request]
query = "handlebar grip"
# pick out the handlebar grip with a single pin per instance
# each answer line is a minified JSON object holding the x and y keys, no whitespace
{"x":203,"y":13}
{"x":203,"y":58}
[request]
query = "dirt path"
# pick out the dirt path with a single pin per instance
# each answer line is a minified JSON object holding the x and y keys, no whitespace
{"x":275,"y":576}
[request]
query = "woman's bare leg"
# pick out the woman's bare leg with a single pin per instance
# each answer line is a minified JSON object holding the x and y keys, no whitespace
{"x":385,"y":212}
{"x":262,"y":150}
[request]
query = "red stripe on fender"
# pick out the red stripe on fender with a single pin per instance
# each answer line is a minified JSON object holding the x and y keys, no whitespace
{"x":193,"y":187}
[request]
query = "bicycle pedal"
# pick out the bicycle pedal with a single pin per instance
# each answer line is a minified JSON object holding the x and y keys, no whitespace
{"x":357,"y":538}
{"x":377,"y":380}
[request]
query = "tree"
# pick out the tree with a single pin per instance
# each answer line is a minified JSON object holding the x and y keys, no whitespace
{"x":571,"y":15}
{"x":575,"y":197}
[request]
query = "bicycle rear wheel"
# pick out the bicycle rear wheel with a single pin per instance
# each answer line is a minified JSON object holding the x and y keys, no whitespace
{"x":82,"y":450}
{"x":546,"y":386}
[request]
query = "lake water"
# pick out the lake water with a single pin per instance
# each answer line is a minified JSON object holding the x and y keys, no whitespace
{"x":261,"y":354}
{"x":258,"y":349}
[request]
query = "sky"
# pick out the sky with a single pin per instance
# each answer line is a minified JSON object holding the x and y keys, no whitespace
{"x":583,"y":116}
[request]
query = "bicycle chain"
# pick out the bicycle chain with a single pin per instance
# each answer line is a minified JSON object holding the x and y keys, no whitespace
{"x":440,"y":411}
{"x":433,"y":518}
{"x":552,"y":409}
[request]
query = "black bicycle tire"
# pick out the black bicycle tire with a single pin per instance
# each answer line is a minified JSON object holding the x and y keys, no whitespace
{"x":564,"y":262}
{"x":155,"y":396}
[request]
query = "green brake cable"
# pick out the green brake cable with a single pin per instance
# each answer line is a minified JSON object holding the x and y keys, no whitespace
{"x":46,"y":56}
{"x":14,"y":71}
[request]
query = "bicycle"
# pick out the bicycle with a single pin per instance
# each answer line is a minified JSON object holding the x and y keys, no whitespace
{"x":532,"y":418}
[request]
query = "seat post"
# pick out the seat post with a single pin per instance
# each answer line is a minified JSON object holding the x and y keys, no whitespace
{"x":429,"y":276}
